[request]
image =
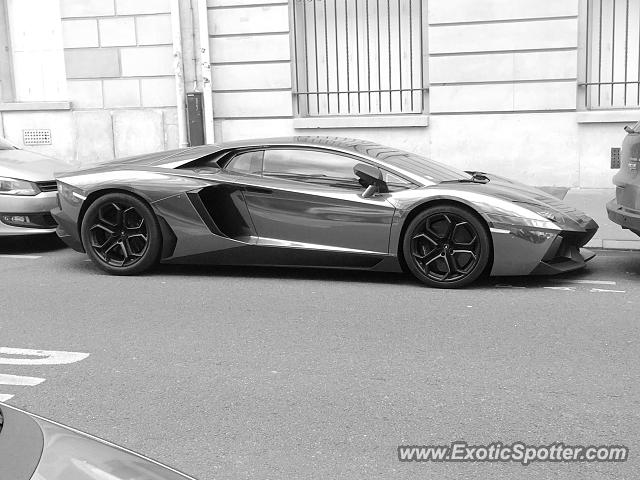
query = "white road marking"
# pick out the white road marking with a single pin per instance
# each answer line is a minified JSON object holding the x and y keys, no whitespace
{"x":23,"y":257}
{"x":43,"y":357}
{"x":588,"y":282}
{"x":593,"y":290}
{"x":27,"y":356}
{"x":564,"y":289}
{"x":6,"y":379}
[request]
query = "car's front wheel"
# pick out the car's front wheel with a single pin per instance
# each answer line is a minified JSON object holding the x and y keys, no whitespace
{"x":121,"y":234}
{"x":446,"y":246}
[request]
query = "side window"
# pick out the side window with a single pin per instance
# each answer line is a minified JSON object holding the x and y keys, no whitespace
{"x":313,"y":167}
{"x":247,"y":163}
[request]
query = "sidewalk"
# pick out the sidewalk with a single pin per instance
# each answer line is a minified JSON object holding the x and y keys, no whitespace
{"x":592,"y":201}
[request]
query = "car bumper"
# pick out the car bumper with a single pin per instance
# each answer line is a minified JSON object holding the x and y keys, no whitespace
{"x":623,"y":216}
{"x":37,"y":207}
{"x":519,"y":251}
{"x":67,"y":230}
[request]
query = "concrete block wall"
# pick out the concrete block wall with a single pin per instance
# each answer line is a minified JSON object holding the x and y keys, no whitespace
{"x":250,"y":59}
{"x":503,"y":75}
{"x":119,"y":67}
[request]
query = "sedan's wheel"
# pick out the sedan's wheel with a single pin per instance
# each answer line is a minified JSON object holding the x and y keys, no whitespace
{"x":121,"y":235}
{"x":446,"y":247}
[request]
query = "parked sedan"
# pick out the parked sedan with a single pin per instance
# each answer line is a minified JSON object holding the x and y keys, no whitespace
{"x":318,"y":202}
{"x":34,"y":447}
{"x":27,"y":191}
{"x":624,"y":209}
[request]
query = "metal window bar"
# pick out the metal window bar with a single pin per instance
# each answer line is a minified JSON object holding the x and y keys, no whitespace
{"x":357,"y":57}
{"x":612,"y":64}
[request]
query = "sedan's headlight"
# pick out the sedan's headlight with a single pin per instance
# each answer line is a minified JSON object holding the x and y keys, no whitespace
{"x":13,"y":186}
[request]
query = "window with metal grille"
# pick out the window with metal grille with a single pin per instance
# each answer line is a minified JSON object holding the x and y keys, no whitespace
{"x":612,"y":54}
{"x":358,"y":57}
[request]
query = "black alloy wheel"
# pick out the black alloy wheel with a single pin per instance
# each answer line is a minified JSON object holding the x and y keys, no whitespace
{"x":121,"y":235}
{"x":446,"y":247}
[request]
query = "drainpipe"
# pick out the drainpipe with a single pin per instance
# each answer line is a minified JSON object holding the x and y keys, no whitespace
{"x":178,"y":72}
{"x":205,"y":70}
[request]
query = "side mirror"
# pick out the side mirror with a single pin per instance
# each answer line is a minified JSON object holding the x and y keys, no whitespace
{"x":371,"y":178}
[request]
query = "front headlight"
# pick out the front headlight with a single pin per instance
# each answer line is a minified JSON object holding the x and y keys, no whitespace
{"x":13,"y":186}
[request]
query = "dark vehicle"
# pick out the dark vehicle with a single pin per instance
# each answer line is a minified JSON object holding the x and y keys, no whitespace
{"x":34,"y":447}
{"x":318,"y":202}
{"x":625,"y":208}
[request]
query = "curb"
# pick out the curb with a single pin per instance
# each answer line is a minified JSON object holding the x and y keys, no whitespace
{"x":611,"y":244}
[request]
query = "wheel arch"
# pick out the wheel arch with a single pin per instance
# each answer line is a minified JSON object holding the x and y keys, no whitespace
{"x":169,"y":239}
{"x":440,"y":202}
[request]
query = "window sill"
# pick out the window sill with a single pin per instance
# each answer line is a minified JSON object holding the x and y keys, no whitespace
{"x":608,"y":116}
{"x":34,"y":106}
{"x":368,"y":121}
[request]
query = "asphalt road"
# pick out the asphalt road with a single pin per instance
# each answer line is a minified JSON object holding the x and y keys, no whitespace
{"x":281,"y":373}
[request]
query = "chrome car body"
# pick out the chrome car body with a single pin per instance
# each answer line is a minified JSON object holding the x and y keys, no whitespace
{"x":34,"y":447}
{"x":210,"y":215}
{"x":27,"y":191}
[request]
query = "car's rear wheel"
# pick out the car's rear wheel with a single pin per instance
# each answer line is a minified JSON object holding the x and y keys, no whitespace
{"x":121,"y":234}
{"x":446,"y":246}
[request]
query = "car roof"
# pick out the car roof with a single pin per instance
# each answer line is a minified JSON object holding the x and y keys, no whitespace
{"x":356,"y":146}
{"x":181,"y":155}
{"x":172,"y":158}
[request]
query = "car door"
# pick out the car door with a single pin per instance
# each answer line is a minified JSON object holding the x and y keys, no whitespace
{"x":311,"y":199}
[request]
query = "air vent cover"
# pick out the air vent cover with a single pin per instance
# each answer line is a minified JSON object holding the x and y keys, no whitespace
{"x":39,"y":136}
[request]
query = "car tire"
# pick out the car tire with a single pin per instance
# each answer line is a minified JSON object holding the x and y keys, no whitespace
{"x":121,"y":234}
{"x":446,"y":246}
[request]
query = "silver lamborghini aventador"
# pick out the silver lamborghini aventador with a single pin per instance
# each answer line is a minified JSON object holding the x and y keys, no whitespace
{"x":316,"y":202}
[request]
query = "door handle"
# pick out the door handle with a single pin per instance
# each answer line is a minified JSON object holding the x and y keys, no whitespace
{"x":259,"y":190}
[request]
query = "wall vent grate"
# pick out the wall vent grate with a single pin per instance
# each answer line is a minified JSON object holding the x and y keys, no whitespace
{"x":36,"y":136}
{"x":615,"y":157}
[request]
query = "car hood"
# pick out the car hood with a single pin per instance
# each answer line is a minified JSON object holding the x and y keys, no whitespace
{"x":39,"y":449}
{"x":528,"y":197}
{"x":30,"y":166}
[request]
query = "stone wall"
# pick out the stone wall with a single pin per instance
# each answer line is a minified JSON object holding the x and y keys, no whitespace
{"x":118,"y":59}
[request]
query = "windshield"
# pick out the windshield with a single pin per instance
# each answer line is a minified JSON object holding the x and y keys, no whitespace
{"x":431,"y":170}
{"x":4,"y":145}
